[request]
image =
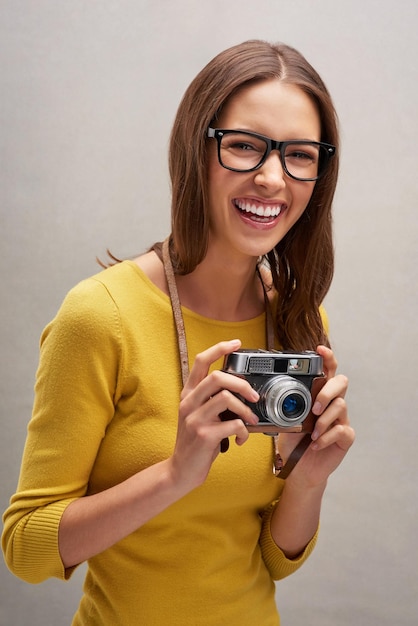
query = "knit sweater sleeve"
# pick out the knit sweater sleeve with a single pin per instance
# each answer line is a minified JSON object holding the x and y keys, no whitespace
{"x":276,"y":561}
{"x":76,"y":387}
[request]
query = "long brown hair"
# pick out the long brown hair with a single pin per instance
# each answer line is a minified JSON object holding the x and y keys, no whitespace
{"x":302,"y":263}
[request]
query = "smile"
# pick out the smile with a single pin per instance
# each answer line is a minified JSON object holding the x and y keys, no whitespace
{"x":260,"y":210}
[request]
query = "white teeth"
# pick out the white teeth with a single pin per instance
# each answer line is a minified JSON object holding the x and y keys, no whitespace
{"x":260,"y":211}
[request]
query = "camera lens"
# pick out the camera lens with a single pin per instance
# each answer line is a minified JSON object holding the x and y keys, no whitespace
{"x":293,"y":406}
{"x":285,"y":401}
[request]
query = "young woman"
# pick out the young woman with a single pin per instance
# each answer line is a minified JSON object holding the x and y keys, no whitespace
{"x":122,"y":465}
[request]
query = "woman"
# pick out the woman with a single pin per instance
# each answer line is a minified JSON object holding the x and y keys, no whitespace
{"x":122,"y":464}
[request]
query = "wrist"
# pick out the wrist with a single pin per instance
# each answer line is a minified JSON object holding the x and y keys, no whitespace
{"x":178,"y":479}
{"x":304,"y":487}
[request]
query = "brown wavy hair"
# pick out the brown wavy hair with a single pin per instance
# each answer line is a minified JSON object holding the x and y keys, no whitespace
{"x":302,"y":263}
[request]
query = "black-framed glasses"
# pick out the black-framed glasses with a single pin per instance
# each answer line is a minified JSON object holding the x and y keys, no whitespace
{"x":245,"y":151}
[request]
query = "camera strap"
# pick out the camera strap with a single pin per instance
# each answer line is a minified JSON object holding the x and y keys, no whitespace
{"x":279,"y":468}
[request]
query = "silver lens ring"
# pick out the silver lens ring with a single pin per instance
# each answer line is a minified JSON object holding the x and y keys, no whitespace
{"x":286,"y":401}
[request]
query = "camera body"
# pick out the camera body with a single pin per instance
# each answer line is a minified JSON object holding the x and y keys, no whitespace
{"x":287,"y":383}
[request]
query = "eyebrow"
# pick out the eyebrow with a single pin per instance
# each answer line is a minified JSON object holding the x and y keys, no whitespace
{"x":256,"y":132}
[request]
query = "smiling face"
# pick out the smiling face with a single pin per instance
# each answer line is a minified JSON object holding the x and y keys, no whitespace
{"x":250,"y":212}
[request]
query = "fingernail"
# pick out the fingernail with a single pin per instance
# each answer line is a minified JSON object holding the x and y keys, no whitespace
{"x":255,"y":417}
{"x":254,"y":395}
{"x":315,"y":435}
{"x":317,"y":408}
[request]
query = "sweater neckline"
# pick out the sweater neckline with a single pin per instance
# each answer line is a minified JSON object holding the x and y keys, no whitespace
{"x":188,"y":312}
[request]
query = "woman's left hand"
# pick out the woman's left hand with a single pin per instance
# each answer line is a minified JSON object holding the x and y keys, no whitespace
{"x":332,"y":436}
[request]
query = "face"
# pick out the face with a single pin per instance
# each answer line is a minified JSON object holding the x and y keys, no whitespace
{"x":250,"y":212}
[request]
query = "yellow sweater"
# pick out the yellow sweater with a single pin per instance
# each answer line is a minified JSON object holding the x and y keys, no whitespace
{"x":106,"y":403}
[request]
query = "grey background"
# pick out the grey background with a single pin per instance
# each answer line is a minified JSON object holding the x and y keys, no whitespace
{"x":89,"y":90}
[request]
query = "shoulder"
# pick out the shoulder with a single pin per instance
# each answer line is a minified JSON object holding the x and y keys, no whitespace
{"x":93,"y":304}
{"x":87,"y":315}
{"x":118,"y":285}
{"x":153,"y":268}
{"x":115,"y":299}
{"x":122,"y":293}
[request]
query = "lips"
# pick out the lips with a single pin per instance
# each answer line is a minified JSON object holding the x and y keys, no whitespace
{"x":257,"y":210}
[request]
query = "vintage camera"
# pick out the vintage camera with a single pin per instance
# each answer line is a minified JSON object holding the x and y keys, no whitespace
{"x":287,"y":383}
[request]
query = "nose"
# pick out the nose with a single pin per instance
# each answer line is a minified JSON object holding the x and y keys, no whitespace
{"x":271,"y":174}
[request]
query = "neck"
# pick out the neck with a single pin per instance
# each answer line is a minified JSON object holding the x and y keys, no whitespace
{"x":228,"y":292}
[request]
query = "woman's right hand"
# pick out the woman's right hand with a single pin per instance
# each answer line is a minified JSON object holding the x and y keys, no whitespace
{"x":95,"y":522}
{"x":200,"y":429}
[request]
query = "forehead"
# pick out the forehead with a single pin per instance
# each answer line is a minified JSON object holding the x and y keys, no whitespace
{"x":274,"y":108}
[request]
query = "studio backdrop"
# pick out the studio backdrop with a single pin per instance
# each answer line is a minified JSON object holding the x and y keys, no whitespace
{"x":89,"y":90}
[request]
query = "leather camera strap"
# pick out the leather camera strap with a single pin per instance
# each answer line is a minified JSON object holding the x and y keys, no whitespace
{"x":281,"y":470}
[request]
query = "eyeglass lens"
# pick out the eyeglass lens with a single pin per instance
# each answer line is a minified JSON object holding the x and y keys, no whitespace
{"x":243,"y":152}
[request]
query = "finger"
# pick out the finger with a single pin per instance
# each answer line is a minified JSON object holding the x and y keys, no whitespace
{"x":225,"y":402}
{"x":330,"y":362}
{"x":336,"y":414}
{"x":214,"y":383}
{"x":236,"y":428}
{"x":210,"y":435}
{"x":205,"y":359}
{"x":335,"y":387}
{"x":342,"y":436}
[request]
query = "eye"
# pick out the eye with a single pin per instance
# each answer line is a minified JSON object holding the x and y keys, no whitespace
{"x":242,"y":144}
{"x":238,"y":145}
{"x":302,"y":154}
